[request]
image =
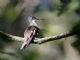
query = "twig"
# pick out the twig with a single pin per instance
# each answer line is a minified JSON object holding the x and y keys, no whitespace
{"x":12,"y":37}
{"x":39,"y":40}
{"x":52,"y":38}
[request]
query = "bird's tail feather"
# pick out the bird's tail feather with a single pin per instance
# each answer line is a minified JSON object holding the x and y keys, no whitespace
{"x":24,"y":45}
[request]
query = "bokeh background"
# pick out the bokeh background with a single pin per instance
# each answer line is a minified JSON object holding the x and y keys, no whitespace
{"x":60,"y":16}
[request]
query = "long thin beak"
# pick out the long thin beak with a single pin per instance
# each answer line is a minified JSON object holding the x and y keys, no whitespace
{"x":40,"y":19}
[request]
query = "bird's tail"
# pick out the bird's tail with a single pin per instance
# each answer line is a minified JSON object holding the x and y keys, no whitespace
{"x":24,"y":45}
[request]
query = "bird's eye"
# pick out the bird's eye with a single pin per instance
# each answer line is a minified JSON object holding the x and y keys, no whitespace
{"x":34,"y":17}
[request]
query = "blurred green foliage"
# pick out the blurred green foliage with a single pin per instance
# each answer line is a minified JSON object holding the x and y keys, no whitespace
{"x":61,"y":16}
{"x":10,"y":13}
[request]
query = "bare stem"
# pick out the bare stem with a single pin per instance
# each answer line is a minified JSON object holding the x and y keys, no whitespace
{"x":39,"y":40}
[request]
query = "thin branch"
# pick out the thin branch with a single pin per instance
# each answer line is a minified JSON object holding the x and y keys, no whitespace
{"x":39,"y":40}
{"x":12,"y":37}
{"x":52,"y":38}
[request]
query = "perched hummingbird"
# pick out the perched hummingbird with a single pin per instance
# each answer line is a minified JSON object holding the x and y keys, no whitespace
{"x":31,"y":32}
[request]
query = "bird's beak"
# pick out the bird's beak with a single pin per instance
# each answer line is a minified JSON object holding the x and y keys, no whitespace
{"x":40,"y":19}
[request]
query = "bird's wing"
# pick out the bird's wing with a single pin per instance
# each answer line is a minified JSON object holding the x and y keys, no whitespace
{"x":28,"y":36}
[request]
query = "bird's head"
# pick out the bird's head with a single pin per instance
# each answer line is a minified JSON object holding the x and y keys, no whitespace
{"x":32,"y":20}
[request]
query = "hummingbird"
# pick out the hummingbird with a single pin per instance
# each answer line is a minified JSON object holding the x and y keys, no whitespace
{"x":31,"y":32}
